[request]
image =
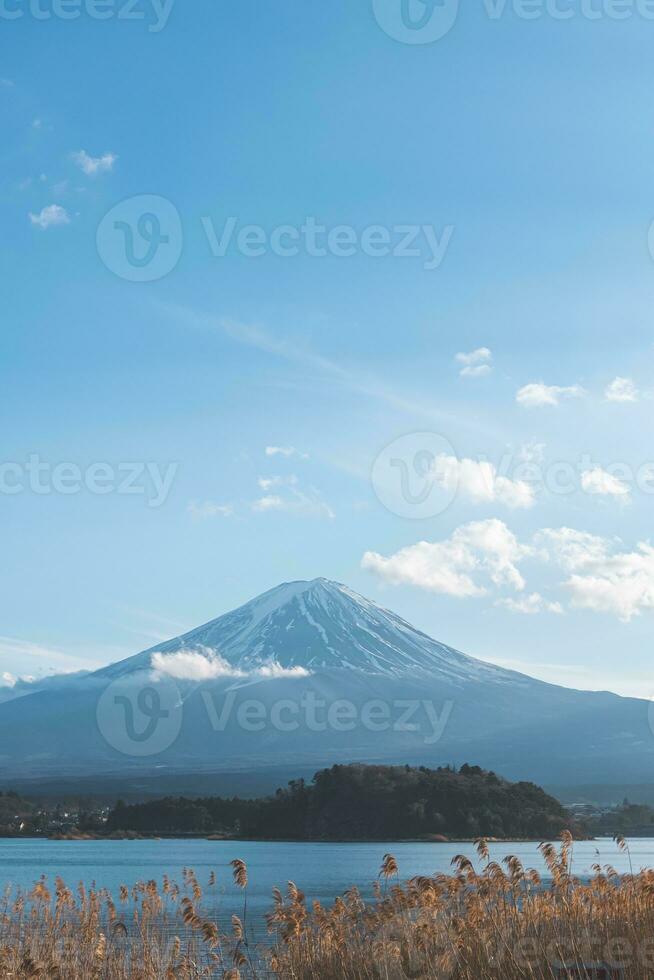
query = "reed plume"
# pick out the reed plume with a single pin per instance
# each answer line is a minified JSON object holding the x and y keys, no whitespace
{"x":500,"y":921}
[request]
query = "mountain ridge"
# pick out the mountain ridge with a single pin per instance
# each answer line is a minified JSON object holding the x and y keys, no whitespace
{"x":317,"y":643}
{"x":285,"y":624}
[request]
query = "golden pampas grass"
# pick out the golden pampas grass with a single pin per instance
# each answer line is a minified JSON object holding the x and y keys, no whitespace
{"x":239,"y":872}
{"x":502,"y":922}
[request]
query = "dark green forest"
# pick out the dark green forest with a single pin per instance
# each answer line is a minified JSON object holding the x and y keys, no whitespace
{"x":15,"y":813}
{"x":362,"y":802}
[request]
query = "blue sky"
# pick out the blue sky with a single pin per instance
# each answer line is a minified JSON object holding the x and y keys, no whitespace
{"x":524,"y":147}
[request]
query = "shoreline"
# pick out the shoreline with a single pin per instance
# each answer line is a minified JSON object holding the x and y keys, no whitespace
{"x":84,"y":838}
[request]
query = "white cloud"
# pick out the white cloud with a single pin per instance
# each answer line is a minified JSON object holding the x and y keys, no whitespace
{"x":208,"y":508}
{"x":92,"y":166}
{"x":267,"y":483}
{"x":622,"y":390}
{"x":273,"y":670}
{"x":193,"y":665}
{"x":476,"y":555}
{"x":310,"y":504}
{"x":532,"y":452}
{"x":290,"y":498}
{"x":50,"y":216}
{"x":530,"y":605}
{"x":13,"y":687}
{"x":475,"y":364}
{"x":570,"y":548}
{"x":537,"y":394}
{"x":603,"y":579}
{"x":205,"y":664}
{"x":286,"y":451}
{"x":623,"y":584}
{"x":482,"y":558}
{"x":602,"y":483}
{"x":270,"y":502}
{"x":481,"y":483}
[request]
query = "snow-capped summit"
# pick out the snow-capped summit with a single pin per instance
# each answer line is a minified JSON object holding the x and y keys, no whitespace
{"x":321,"y":625}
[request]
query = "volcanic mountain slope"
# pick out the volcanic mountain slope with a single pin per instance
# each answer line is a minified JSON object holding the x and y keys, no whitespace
{"x":309,"y":674}
{"x":322,"y":626}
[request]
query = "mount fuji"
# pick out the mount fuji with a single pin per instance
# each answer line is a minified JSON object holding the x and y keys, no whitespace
{"x":319,"y":626}
{"x":306,"y":675}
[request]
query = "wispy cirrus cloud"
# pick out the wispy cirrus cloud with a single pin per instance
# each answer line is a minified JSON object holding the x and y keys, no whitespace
{"x":530,"y":605}
{"x":29,"y":656}
{"x":149,"y":625}
{"x":308,"y":503}
{"x":206,"y":509}
{"x":361,"y":381}
{"x":267,"y":483}
{"x":286,"y":451}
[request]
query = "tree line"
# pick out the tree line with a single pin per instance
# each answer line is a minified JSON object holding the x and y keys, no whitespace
{"x":360,"y":802}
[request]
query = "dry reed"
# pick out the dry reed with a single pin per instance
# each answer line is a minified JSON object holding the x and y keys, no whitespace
{"x":499,"y":923}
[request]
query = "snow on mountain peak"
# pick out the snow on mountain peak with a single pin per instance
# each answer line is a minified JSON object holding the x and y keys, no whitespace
{"x":311,"y":626}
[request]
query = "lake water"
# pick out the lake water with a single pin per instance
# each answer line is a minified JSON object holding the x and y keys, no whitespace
{"x":322,"y":871}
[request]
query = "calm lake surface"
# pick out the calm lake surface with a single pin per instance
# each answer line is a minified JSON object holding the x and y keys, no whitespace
{"x":322,"y":871}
